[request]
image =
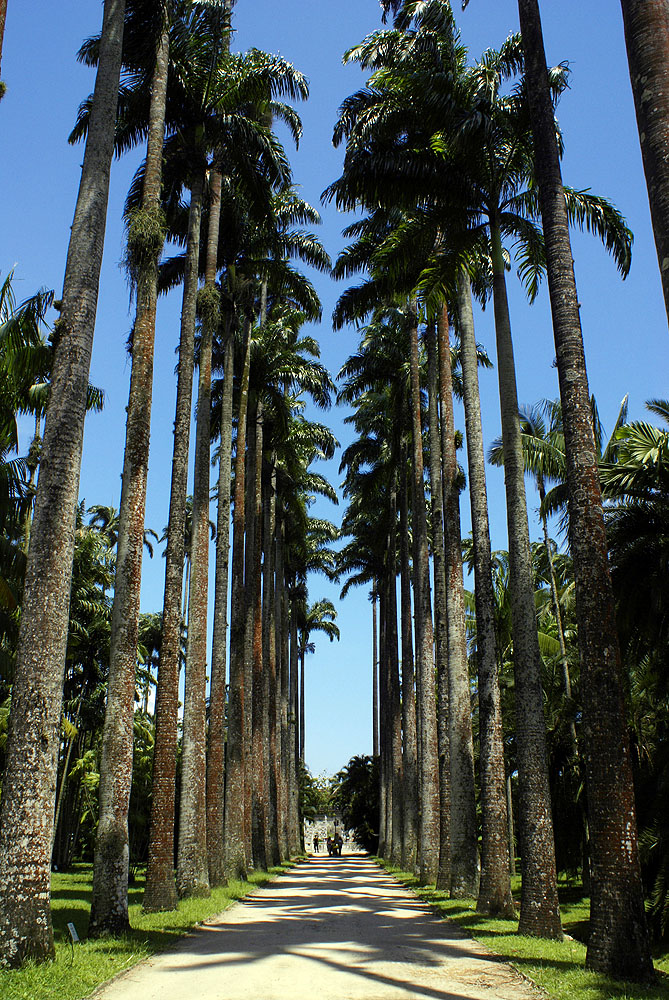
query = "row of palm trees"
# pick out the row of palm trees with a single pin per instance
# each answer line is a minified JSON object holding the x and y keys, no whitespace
{"x":449,"y":162}
{"x":457,"y":168}
{"x":216,"y":182}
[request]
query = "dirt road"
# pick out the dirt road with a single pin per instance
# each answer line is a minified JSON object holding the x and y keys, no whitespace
{"x":330,"y":929}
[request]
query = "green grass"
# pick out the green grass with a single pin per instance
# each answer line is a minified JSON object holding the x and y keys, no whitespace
{"x":556,"y":966}
{"x":77,"y":971}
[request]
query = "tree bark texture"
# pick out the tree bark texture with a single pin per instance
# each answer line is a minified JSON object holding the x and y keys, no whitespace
{"x":557,"y":612}
{"x":428,"y":762}
{"x":26,"y":812}
{"x":647,"y":38}
{"x":282,"y":685}
{"x":302,"y":719}
{"x":464,"y":850}
{"x":201,"y":760}
{"x":293,"y":806}
{"x":249,"y":609}
{"x":512,"y":833}
{"x":109,"y":904}
{"x":409,"y":745}
{"x":215,"y":781}
{"x":217,"y":698}
{"x":235,"y":848}
{"x":384,"y":790}
{"x":618,"y":942}
{"x":539,"y":907}
{"x":259,"y":703}
{"x":375,"y":675}
{"x":192,"y":865}
{"x":447,"y":824}
{"x":394,"y":720}
{"x":273,"y":754}
{"x":160,"y":891}
{"x":283,"y":681}
{"x":495,"y":887}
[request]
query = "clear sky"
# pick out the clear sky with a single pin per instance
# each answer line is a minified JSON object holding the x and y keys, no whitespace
{"x":624,"y":324}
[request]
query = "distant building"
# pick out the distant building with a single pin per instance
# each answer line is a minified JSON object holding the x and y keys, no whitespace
{"x":322,"y":827}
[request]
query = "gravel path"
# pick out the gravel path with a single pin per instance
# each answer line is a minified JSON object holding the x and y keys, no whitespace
{"x":330,"y":929}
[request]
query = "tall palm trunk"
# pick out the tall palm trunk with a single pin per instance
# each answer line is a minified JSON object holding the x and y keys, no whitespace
{"x":215,"y":777}
{"x":495,"y":886}
{"x":204,"y":804}
{"x":282,"y":684}
{"x":272,"y":752}
{"x":302,"y":712}
{"x":217,"y":698}
{"x":375,"y":674}
{"x":160,"y":892}
{"x":647,"y":39}
{"x":394,"y":721}
{"x":539,"y":908}
{"x":259,"y":704}
{"x":464,"y":850}
{"x":428,"y":763}
{"x":448,"y":827}
{"x":557,"y":611}
{"x":32,"y":464}
{"x":192,"y":865}
{"x":66,"y":762}
{"x":617,"y":910}
{"x":26,"y":810}
{"x":384,"y":792}
{"x":146,"y":237}
{"x":409,"y":744}
{"x":293,"y":786}
{"x":249,"y":610}
{"x":235,"y":847}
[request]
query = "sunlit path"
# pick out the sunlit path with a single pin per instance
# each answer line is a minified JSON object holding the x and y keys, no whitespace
{"x":331,"y":928}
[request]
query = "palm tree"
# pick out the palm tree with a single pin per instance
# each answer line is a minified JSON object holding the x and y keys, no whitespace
{"x":105,"y":519}
{"x":646,"y":30}
{"x":25,"y":367}
{"x":425,"y":686}
{"x":451,"y":825}
{"x":635,"y":484}
{"x":146,"y":236}
{"x":495,"y":888}
{"x":192,"y":863}
{"x":507,"y":208}
{"x":545,"y":460}
{"x":303,"y":547}
{"x":464,"y":860}
{"x":27,"y":798}
{"x":235,"y":839}
{"x":617,"y":911}
{"x":377,"y":383}
{"x":160,"y":892}
{"x":228,"y":109}
{"x":320,"y":617}
{"x":280,"y":363}
{"x":366,"y":558}
{"x":215,"y":762}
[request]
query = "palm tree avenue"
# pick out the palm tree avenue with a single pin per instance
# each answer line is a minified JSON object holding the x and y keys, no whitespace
{"x":517,"y":696}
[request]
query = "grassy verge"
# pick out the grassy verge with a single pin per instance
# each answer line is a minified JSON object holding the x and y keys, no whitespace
{"x":77,"y":971}
{"x":555,"y":966}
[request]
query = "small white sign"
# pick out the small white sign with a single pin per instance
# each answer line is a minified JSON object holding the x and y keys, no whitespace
{"x":73,"y":933}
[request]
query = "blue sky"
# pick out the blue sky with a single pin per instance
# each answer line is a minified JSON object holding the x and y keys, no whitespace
{"x":624,"y":323}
